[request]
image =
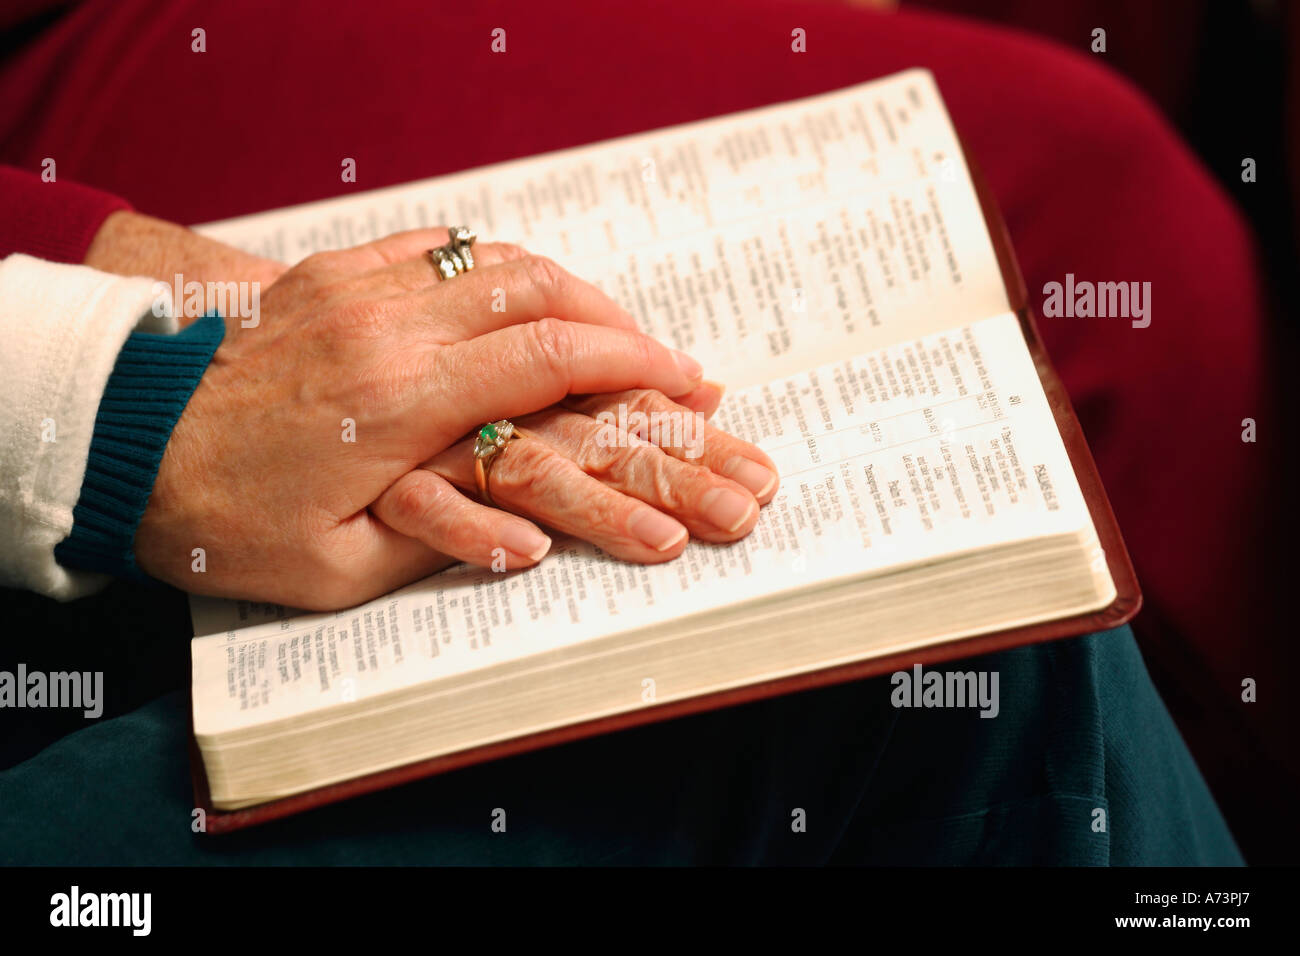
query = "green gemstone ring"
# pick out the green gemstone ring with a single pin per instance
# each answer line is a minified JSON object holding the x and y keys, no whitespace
{"x":488,"y":443}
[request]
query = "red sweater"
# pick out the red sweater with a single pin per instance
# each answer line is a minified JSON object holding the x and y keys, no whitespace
{"x":50,"y":220}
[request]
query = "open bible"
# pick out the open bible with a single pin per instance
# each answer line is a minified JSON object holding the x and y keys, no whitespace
{"x":831,"y":260}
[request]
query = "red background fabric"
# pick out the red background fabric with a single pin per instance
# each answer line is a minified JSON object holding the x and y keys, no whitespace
{"x":1091,"y":180}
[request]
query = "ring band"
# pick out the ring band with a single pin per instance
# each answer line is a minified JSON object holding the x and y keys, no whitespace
{"x":446,"y":262}
{"x":455,"y":257}
{"x":490,"y":441}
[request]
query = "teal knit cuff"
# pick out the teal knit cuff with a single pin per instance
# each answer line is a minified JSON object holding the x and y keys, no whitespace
{"x":150,"y":385}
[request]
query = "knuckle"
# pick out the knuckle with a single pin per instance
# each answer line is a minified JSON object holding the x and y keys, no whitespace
{"x":528,"y":470}
{"x":608,"y":453}
{"x":411,"y":502}
{"x":543,"y":274}
{"x":320,"y":262}
{"x":429,"y":509}
{"x":626,"y":462}
{"x":646,"y":401}
{"x":552,"y":343}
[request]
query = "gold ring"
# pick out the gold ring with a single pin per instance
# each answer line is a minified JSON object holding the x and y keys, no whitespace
{"x":456,"y":256}
{"x":490,"y":441}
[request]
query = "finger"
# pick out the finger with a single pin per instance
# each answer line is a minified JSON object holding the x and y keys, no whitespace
{"x":522,"y":290}
{"x":380,"y":560}
{"x":423,"y":506}
{"x":416,"y":273}
{"x":705,"y":399}
{"x":525,"y":368}
{"x":683,"y":437}
{"x":711,"y":507}
{"x":532,"y":478}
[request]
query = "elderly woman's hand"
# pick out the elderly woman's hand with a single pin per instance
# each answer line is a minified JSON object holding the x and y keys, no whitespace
{"x":295,"y":466}
{"x":588,"y":474}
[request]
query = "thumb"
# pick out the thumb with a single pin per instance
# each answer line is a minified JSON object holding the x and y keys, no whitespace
{"x":427,"y":507}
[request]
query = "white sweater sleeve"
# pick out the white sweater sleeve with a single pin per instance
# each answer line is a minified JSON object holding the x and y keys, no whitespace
{"x":61,"y":329}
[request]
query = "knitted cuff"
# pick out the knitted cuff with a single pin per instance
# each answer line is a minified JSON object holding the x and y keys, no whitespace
{"x":150,"y":385}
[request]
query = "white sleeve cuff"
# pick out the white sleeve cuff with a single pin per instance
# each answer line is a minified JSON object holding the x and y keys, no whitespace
{"x":62,"y":327}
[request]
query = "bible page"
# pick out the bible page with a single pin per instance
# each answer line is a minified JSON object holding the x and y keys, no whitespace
{"x":764,"y":243}
{"x":926,"y":448}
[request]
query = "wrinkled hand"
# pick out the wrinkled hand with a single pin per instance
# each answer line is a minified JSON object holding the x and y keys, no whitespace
{"x":580,"y":473}
{"x":367,"y":344}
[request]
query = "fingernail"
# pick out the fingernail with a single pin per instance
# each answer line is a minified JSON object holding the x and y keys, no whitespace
{"x":656,"y":529}
{"x":525,"y":541}
{"x":722,"y":389}
{"x":726,"y":508}
{"x":751,"y":474}
{"x":692,"y":369}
